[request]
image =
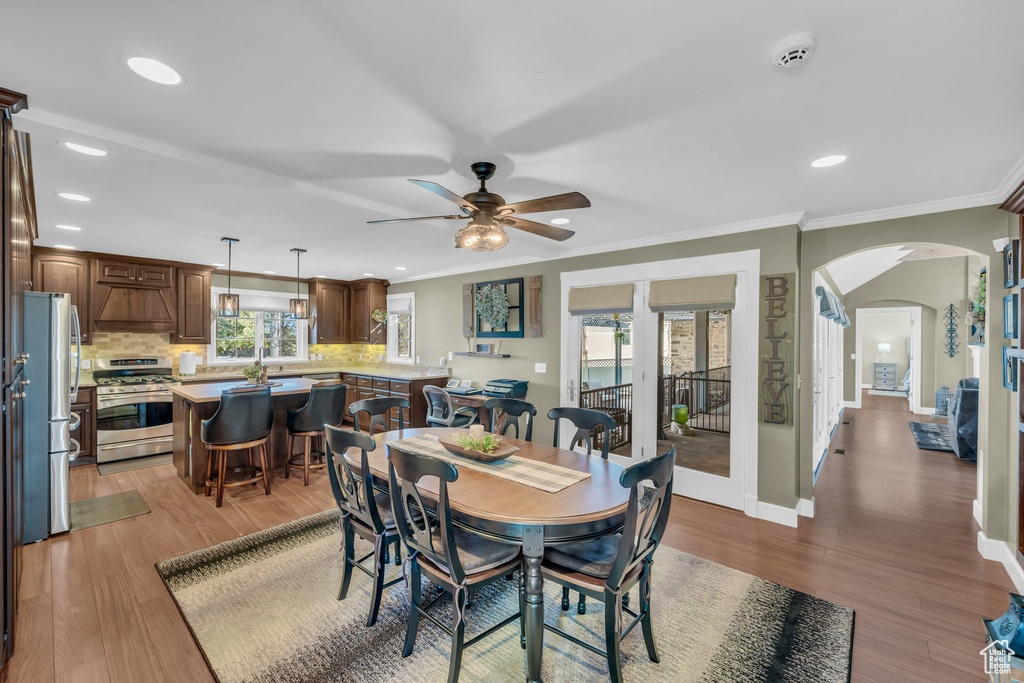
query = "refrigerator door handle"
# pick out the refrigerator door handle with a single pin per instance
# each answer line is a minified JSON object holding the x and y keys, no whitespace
{"x":74,"y":422}
{"x":76,"y":449}
{"x":77,"y":339}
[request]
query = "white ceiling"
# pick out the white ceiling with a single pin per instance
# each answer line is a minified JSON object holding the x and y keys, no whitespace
{"x":853,"y":270}
{"x":299,"y":121}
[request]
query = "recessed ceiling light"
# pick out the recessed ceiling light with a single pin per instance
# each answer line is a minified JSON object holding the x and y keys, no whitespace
{"x":72,"y":197}
{"x":63,"y":246}
{"x":367,"y":274}
{"x":219,"y":265}
{"x":155,"y":71}
{"x":68,"y":227}
{"x":83,"y":149}
{"x":399,"y":267}
{"x":832,"y":160}
{"x":559,"y":221}
{"x":270,"y":272}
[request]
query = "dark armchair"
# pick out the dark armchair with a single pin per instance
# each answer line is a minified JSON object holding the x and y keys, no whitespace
{"x":963,"y":419}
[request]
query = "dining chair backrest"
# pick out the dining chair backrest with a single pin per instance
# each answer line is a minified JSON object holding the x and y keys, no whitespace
{"x":641,"y":536}
{"x":353,"y":495}
{"x":326,"y":406}
{"x":513,"y":409}
{"x":585,"y":421}
{"x":377,"y":409}
{"x":244,"y":414}
{"x":416,"y":531}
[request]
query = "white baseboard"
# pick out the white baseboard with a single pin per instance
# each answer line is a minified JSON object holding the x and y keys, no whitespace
{"x":977,"y":512}
{"x":851,"y":404}
{"x":805,"y":508}
{"x":924,"y":411}
{"x":1000,"y":551}
{"x":866,"y":386}
{"x":776,"y":513}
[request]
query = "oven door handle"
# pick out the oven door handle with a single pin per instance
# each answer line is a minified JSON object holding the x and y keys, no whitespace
{"x":131,"y":399}
{"x":134,"y":444}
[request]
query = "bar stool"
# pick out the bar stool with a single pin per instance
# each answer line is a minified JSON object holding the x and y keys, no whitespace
{"x":377,"y":409}
{"x":242,"y":422}
{"x":326,"y":406}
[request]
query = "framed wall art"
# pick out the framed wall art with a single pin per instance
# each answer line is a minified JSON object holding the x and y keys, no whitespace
{"x":499,"y":308}
{"x":1011,"y":324}
{"x":1009,"y":369}
{"x":1011,"y":254}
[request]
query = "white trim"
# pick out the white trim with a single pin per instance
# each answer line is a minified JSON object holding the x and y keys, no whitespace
{"x":851,"y":404}
{"x":915,"y":345}
{"x":730,"y":492}
{"x":924,"y":410}
{"x":301,"y":330}
{"x":805,"y":508}
{"x":977,"y":512}
{"x":1000,"y":551}
{"x":776,"y":513}
{"x":923,"y":208}
{"x":1013,"y":179}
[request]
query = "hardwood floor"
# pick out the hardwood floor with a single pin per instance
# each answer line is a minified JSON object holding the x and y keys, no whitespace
{"x":893,"y":538}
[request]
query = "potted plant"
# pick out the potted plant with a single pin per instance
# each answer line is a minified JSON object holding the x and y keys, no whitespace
{"x":252,"y":372}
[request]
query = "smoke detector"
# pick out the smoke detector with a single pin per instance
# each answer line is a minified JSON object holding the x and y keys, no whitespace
{"x":793,"y":50}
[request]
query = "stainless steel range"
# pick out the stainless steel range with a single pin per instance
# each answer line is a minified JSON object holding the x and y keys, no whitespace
{"x":133,"y":407}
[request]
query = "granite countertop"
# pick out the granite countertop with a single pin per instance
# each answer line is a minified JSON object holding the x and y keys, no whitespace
{"x":210,"y":392}
{"x":227,"y":373}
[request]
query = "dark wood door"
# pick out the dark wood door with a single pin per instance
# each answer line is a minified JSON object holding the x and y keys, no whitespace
{"x":194,"y":307}
{"x":69,"y":275}
{"x":360,"y":313}
{"x":17,"y":230}
{"x":377,"y":300}
{"x":147,"y":275}
{"x":110,"y":272}
{"x":331,"y":325}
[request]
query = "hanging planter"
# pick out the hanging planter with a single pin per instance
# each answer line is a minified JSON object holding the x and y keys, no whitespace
{"x":492,"y":306}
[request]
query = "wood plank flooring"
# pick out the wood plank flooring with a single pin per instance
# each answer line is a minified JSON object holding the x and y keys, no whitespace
{"x":893,"y":537}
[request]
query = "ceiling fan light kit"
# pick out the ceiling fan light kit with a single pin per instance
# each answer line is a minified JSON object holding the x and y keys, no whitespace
{"x":489,"y":215}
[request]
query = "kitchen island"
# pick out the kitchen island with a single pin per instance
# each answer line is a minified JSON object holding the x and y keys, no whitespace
{"x":194,"y":403}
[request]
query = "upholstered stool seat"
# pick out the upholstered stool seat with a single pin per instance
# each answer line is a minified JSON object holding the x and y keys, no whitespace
{"x":326,"y":406}
{"x":242,"y":422}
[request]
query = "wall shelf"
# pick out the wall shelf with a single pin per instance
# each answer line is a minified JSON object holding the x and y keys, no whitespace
{"x":482,"y":355}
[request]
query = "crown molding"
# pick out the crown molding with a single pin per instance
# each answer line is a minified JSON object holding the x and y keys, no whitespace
{"x":1012,"y":188}
{"x":923,"y":208}
{"x":461,"y":270}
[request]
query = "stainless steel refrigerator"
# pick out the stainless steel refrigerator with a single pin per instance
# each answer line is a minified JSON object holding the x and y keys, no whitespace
{"x":53,"y":342}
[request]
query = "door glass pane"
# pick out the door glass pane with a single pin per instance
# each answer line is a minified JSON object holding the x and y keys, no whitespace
{"x":606,"y":375}
{"x":695,"y":388}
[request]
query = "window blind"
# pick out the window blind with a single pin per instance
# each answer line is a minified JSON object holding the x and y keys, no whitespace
{"x":601,"y":299}
{"x":705,"y":293}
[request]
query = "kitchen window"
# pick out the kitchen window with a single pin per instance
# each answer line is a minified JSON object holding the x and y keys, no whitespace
{"x":401,"y":328}
{"x":262,"y":323}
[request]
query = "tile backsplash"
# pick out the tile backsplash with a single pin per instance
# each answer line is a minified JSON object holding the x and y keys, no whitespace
{"x":114,"y":344}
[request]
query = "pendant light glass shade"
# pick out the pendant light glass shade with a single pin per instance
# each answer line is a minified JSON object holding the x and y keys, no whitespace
{"x":227,"y":303}
{"x":481,"y":235}
{"x":298,"y":308}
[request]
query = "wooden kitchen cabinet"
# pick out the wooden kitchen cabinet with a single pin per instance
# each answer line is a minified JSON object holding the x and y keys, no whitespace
{"x":116,"y":272}
{"x":66,"y":274}
{"x":195,"y":306}
{"x":367,"y":296}
{"x":330,"y":302}
{"x":85,"y":407}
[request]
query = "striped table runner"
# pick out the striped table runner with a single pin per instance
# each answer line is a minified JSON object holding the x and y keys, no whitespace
{"x":538,"y":475}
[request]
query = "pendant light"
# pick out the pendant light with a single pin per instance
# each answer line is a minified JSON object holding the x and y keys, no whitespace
{"x":298,"y":308}
{"x":227,"y":304}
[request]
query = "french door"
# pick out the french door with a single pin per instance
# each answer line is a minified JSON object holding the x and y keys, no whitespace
{"x":683,"y":379}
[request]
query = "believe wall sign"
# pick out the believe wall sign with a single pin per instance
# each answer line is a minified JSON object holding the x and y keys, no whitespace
{"x":775,"y":365}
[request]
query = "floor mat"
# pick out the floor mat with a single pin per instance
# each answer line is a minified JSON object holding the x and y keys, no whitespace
{"x":106,"y":509}
{"x":931,"y":437}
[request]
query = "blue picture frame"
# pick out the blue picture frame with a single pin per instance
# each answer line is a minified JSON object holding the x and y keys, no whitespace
{"x":1009,"y":368}
{"x":1011,"y":253}
{"x":1010,"y":322}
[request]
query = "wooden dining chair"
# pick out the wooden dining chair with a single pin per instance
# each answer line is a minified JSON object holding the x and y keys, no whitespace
{"x":377,"y":409}
{"x":457,"y":561}
{"x":514,"y":409}
{"x":364,"y":512}
{"x":607,"y":568}
{"x":585,"y":421}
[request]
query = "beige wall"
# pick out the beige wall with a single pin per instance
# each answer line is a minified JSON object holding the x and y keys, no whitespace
{"x":891,"y":327}
{"x":931,"y":284}
{"x":972,"y":229}
{"x":439,"y":330}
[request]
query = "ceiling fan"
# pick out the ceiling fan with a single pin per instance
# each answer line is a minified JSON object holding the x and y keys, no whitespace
{"x":488,"y":213}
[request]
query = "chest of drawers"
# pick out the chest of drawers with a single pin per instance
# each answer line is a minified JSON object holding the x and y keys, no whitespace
{"x":884,"y":376}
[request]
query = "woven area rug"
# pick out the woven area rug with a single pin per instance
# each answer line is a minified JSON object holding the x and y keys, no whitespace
{"x":931,"y":437}
{"x":264,"y":608}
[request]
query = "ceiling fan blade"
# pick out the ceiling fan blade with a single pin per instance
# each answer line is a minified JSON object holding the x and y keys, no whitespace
{"x":446,"y":193}
{"x":418,"y":218}
{"x":552,"y":232}
{"x":558,"y":202}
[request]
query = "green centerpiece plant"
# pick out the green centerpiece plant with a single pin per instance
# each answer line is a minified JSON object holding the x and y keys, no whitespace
{"x":488,"y":443}
{"x":252,"y":372}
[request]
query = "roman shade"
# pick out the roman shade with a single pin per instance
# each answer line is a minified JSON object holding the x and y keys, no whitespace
{"x":830,"y":307}
{"x":601,"y":299}
{"x":705,"y":293}
{"x":399,"y":305}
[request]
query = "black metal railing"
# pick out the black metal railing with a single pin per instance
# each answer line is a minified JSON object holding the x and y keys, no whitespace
{"x":706,"y":393}
{"x":616,"y":401}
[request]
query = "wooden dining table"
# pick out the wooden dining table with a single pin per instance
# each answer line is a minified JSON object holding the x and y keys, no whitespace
{"x":533,"y":519}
